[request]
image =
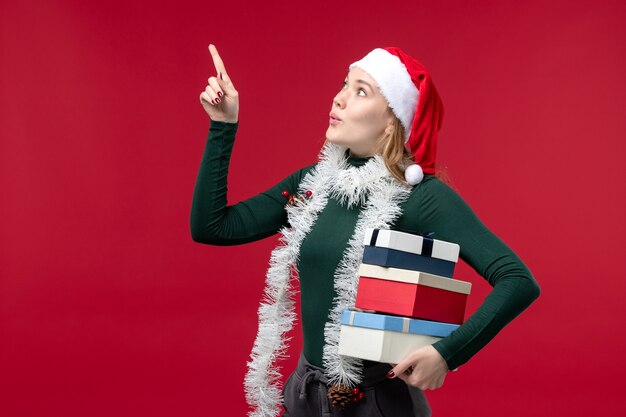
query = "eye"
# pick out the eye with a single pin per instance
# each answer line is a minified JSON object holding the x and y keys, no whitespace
{"x":345,"y":83}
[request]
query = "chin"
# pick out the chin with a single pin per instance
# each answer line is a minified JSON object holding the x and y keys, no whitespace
{"x":335,"y":141}
{"x":330,"y":137}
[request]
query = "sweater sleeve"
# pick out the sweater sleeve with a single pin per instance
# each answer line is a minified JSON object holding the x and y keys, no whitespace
{"x":215,"y":222}
{"x":443,"y":211}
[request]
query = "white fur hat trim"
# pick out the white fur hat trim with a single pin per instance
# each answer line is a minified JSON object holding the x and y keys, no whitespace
{"x":394,"y":83}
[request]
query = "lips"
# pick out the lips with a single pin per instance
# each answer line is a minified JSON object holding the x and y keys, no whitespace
{"x":334,"y":116}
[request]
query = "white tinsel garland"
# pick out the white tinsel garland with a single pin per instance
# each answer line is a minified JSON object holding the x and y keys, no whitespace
{"x":371,"y":185}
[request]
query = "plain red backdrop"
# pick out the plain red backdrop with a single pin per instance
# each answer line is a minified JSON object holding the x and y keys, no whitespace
{"x":107,"y":307}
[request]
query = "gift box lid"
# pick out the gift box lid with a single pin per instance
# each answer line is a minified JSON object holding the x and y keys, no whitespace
{"x":412,"y":243}
{"x":414,"y":277}
{"x":396,"y":323}
{"x":392,"y":258}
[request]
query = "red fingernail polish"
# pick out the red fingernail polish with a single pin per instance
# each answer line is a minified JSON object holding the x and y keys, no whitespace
{"x":221,"y":77}
{"x":219,"y":94}
{"x":217,"y":100}
{"x":390,"y":374}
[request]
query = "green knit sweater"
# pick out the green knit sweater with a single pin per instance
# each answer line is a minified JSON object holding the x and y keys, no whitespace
{"x":431,"y":207}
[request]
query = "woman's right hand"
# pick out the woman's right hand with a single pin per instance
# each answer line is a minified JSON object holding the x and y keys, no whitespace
{"x":220,"y":99}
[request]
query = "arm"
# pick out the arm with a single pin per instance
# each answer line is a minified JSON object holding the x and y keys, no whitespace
{"x":213,"y":221}
{"x":441,"y":210}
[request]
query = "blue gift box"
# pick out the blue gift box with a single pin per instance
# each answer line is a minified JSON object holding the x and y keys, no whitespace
{"x":397,"y":323}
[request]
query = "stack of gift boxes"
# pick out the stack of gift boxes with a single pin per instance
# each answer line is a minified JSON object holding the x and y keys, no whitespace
{"x":406,"y":298}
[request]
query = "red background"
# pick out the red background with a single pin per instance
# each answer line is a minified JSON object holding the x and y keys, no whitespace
{"x":107,"y":307}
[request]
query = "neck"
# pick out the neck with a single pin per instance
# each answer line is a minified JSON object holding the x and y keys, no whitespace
{"x":358,"y":154}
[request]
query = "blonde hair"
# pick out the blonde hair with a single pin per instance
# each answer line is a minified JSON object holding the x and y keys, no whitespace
{"x":390,"y":145}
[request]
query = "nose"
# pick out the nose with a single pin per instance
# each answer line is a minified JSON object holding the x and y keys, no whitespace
{"x":339,"y":100}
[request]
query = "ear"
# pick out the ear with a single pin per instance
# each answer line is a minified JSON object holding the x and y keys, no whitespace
{"x":390,"y":121}
{"x":389,"y":127}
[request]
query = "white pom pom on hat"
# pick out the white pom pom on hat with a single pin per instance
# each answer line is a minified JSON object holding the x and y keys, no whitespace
{"x":412,"y":96}
{"x":413,"y":174}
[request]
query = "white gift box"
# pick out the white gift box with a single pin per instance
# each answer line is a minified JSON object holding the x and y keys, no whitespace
{"x":412,"y":243}
{"x":387,"y":339}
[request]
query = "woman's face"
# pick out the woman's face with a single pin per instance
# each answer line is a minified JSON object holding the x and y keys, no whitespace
{"x":360,"y":114}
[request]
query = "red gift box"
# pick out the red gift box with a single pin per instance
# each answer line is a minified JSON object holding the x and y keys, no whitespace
{"x":412,"y":294}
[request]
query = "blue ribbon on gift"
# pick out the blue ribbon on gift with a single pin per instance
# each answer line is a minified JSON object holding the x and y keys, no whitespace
{"x":427,"y":244}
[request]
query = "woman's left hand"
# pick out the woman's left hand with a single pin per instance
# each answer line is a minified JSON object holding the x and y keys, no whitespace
{"x":423,"y":368}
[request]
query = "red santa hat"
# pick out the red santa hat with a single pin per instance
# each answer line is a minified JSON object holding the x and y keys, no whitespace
{"x":412,"y":96}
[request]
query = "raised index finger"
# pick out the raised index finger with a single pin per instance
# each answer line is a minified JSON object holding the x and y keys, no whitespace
{"x":217,"y":60}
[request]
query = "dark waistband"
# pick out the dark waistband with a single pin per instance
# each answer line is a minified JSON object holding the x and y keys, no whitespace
{"x":373,"y":372}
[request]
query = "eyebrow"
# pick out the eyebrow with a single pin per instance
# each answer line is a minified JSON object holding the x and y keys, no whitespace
{"x":362,"y":82}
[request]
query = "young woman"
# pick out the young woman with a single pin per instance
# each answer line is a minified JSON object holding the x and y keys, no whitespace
{"x":376,"y":169}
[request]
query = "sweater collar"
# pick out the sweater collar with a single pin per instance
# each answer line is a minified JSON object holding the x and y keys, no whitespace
{"x":356,"y":161}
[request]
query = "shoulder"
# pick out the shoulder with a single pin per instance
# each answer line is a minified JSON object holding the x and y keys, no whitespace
{"x":432,"y":188}
{"x":302,"y":172}
{"x":308,"y":168}
{"x":293,"y":180}
{"x":298,"y":174}
{"x":433,"y":198}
